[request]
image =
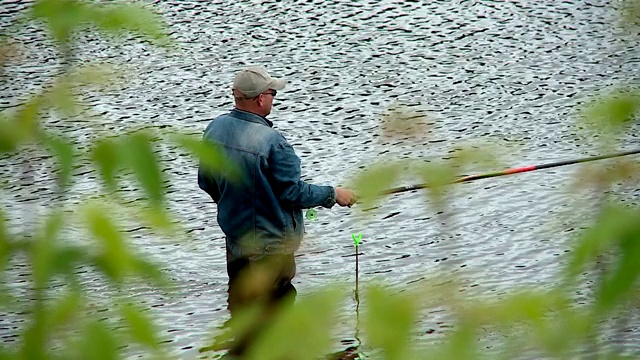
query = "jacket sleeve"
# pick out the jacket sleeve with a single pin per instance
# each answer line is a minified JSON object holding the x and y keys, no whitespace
{"x":288,"y":187}
{"x":207,"y":184}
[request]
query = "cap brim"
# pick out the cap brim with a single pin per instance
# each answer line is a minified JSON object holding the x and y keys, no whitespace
{"x":277,"y":84}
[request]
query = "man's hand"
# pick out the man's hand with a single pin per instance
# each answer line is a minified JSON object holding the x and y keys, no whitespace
{"x":345,"y":197}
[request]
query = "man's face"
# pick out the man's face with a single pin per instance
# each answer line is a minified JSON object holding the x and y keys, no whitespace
{"x":265,"y":100}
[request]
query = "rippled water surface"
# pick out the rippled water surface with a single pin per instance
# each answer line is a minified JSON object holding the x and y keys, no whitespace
{"x":508,"y":73}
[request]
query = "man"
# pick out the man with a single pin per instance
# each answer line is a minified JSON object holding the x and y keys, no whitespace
{"x":261,"y":212}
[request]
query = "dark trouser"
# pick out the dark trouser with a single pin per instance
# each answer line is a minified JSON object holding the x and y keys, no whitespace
{"x":265,"y":281}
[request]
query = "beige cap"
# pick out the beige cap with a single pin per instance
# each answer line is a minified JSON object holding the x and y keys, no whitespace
{"x":253,"y":80}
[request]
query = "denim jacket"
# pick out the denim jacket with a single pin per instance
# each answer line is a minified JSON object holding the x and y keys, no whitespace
{"x":262,"y":213}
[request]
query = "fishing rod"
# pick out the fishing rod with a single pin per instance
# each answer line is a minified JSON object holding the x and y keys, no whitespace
{"x":311,"y":214}
{"x":511,"y":171}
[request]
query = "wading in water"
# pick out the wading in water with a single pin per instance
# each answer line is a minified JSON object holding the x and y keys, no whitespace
{"x":260,"y":213}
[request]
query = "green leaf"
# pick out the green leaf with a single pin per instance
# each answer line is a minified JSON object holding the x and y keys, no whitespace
{"x":543,"y":316}
{"x":158,"y":219}
{"x":370,"y":184}
{"x":525,"y":306}
{"x":140,"y":326}
{"x":98,"y":343}
{"x":60,"y":96}
{"x":437,"y":177}
{"x":92,"y":75}
{"x":301,"y":331}
{"x":562,"y":330}
{"x":5,"y":243}
{"x":43,"y":249}
{"x":64,"y":310}
{"x":9,"y":136}
{"x":137,"y":152}
{"x":149,"y":270}
{"x":622,"y":279}
{"x":50,"y":257}
{"x":460,"y":344}
{"x":480,"y":155}
{"x":65,"y":153}
{"x":115,"y":19}
{"x":630,"y":10}
{"x":106,"y":157}
{"x":26,"y":119}
{"x":210,"y":156}
{"x":65,"y":260}
{"x":389,"y":321}
{"x":115,"y":259}
{"x":240,"y":323}
{"x":612,"y":112}
{"x":62,"y":16}
{"x":6,"y":354}
{"x":612,"y":223}
{"x":34,"y":336}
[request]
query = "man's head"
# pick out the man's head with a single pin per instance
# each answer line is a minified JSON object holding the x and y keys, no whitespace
{"x":254,"y":90}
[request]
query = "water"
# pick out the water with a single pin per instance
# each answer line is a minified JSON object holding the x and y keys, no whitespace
{"x":509,"y":73}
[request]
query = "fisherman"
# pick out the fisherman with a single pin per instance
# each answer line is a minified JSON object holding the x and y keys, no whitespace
{"x":260,"y":212}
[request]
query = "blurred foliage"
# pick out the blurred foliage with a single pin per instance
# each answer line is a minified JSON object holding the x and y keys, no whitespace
{"x":389,"y":321}
{"x":611,"y":115}
{"x":66,"y":17}
{"x":436,"y":175}
{"x":208,"y":155}
{"x":630,"y":10}
{"x":63,"y":325}
{"x":300,"y":332}
{"x":371,"y":181}
{"x":405,"y":123}
{"x":61,"y":321}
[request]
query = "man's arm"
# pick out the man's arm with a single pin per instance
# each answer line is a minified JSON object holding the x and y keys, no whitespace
{"x":207,"y":184}
{"x":290,"y":189}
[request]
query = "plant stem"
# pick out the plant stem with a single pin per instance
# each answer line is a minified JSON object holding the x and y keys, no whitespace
{"x":357,"y":271}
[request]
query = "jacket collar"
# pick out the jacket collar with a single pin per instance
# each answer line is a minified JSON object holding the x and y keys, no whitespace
{"x":248,"y":116}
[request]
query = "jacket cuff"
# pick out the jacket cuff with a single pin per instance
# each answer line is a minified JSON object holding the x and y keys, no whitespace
{"x":331,"y":200}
